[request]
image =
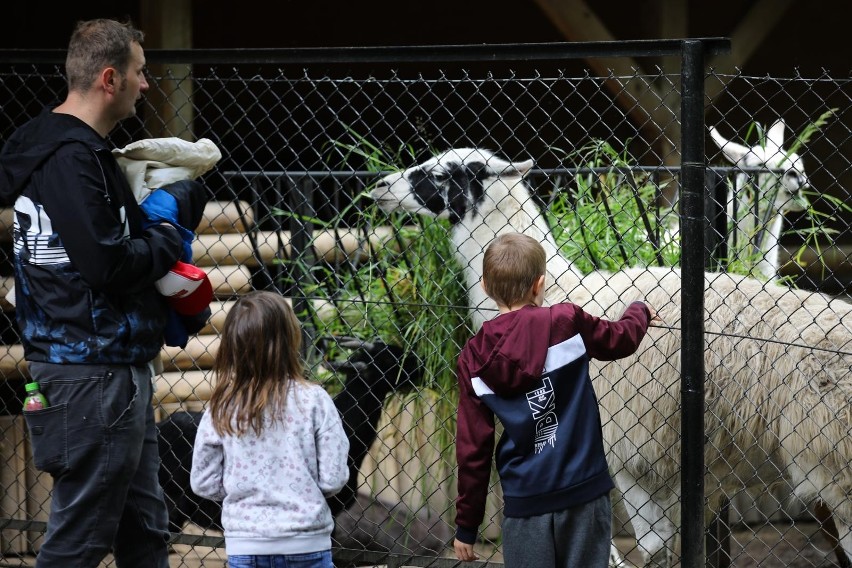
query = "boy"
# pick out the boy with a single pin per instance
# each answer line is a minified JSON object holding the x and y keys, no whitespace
{"x":530,"y":367}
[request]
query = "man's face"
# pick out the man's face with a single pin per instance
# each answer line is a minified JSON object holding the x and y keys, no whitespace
{"x":131,"y":84}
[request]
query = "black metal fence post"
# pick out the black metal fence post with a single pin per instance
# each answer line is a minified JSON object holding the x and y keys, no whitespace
{"x":692,"y":224}
{"x":302,"y":257}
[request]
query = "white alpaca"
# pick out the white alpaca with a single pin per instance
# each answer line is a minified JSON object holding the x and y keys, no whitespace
{"x":771,"y":183}
{"x":758,"y":200}
{"x":778,"y":360}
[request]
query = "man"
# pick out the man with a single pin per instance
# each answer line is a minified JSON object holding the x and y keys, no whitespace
{"x":90,"y":317}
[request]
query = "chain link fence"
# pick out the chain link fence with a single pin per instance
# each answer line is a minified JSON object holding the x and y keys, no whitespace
{"x":385,"y":294}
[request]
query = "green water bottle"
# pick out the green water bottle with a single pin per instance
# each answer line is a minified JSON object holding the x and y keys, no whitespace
{"x":35,"y":400}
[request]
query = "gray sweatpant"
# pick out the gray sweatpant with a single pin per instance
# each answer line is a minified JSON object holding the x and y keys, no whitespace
{"x":574,"y":538}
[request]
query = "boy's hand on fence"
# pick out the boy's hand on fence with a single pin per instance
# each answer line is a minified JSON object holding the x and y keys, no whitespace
{"x":464,"y":551}
{"x":655,"y":317}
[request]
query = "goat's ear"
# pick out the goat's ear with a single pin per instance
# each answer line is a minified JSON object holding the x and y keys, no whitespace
{"x":775,"y":134}
{"x":503,"y":168}
{"x":733,"y":152}
{"x":523,"y":167}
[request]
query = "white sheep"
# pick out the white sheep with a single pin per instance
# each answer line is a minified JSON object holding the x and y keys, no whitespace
{"x":758,"y":200}
{"x":778,"y":361}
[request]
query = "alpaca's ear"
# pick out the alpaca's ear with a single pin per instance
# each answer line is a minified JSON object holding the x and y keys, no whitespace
{"x":733,"y":152}
{"x":523,"y":167}
{"x":775,"y":135}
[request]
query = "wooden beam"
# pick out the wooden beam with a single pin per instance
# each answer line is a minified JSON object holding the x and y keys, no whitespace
{"x":673,"y":21}
{"x":578,"y":22}
{"x":168,"y":25}
{"x":749,"y":34}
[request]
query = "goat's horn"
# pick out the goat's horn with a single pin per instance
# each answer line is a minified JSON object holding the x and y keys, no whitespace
{"x":348,"y":341}
{"x":347,"y":365}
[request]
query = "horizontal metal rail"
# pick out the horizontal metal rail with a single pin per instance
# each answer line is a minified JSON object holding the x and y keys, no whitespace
{"x":407,"y":54}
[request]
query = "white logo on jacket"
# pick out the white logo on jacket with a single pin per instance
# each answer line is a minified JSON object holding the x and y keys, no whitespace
{"x":543,"y":405}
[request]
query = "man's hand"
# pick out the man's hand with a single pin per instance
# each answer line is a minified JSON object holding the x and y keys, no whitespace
{"x":464,"y":551}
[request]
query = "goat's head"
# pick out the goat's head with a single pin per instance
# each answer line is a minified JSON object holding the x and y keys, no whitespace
{"x":447,"y":186}
{"x":786,"y":178}
{"x":378,"y":366}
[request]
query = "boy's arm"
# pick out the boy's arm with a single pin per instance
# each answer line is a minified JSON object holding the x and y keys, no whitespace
{"x":474,"y":452}
{"x":607,"y":340}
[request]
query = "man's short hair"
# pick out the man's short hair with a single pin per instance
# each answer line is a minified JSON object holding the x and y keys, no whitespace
{"x":96,"y":45}
{"x":512,"y":264}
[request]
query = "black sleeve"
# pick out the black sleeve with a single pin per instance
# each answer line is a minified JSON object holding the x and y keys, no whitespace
{"x":88,"y":221}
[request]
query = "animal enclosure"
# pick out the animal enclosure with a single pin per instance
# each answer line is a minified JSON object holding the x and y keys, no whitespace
{"x":296,"y":206}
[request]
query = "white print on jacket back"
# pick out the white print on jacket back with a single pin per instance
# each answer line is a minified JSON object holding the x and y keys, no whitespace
{"x":34,"y":230}
{"x":543,"y":404}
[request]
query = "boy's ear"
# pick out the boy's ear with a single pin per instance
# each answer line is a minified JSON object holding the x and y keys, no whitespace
{"x":482,"y":283}
{"x":538,"y":285}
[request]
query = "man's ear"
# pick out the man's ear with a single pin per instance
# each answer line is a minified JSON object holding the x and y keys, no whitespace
{"x":109,"y":80}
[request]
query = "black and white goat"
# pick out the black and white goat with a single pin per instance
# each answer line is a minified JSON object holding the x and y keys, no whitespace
{"x":374,"y":370}
{"x":778,"y":361}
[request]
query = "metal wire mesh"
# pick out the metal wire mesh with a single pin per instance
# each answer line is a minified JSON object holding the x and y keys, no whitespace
{"x":385,"y":297}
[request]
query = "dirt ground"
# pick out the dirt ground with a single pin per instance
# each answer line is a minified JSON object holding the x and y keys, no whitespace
{"x":771,"y":546}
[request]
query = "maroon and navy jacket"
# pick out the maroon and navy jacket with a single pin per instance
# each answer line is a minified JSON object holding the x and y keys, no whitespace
{"x":530,"y":369}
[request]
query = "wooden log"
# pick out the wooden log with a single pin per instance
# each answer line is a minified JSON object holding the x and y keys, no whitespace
{"x":12,"y":363}
{"x":178,"y":386}
{"x":199,"y":354}
{"x":7,"y":224}
{"x":6,"y":284}
{"x":183,"y":386}
{"x":225,"y":217}
{"x":219,"y":217}
{"x":218,"y":312}
{"x":324,"y":309}
{"x":329,"y":245}
{"x":229,"y":281}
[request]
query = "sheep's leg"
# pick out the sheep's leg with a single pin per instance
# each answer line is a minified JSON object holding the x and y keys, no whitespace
{"x":654,"y":531}
{"x":841,"y":542}
{"x":615,"y":559}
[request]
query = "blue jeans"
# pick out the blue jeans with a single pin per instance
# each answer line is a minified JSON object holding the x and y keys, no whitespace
{"x":320,"y":559}
{"x":98,"y":440}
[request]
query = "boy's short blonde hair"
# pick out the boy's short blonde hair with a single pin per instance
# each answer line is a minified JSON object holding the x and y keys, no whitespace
{"x":512,"y":264}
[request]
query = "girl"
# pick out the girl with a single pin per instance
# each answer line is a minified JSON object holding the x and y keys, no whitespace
{"x":271,"y":445}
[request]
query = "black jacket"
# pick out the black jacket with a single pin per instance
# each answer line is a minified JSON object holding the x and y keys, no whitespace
{"x":84,"y":265}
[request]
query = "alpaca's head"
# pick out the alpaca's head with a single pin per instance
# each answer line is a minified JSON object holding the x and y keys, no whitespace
{"x":447,"y":186}
{"x":790,"y":180}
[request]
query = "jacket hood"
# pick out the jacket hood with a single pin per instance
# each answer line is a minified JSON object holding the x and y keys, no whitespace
{"x":32,"y":144}
{"x":514,"y":347}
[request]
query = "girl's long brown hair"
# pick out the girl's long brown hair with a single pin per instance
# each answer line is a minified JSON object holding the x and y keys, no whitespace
{"x":257,"y":360}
